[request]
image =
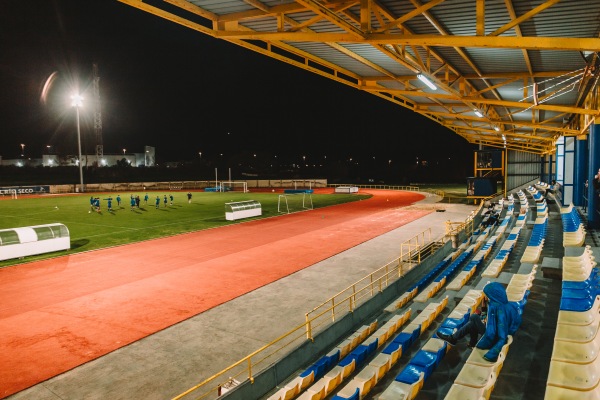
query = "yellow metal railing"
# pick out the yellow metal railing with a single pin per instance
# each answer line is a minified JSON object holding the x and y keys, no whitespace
{"x":386,"y":187}
{"x":436,"y":192}
{"x":410,"y":250}
{"x":316,"y":320}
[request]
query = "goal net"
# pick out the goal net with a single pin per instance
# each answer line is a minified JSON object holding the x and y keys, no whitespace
{"x":234,"y":187}
{"x":289,"y":203}
{"x":9,"y":192}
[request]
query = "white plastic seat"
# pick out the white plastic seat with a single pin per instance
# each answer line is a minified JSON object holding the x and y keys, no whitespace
{"x":382,"y":334}
{"x":462,"y":392}
{"x":577,"y":333}
{"x":573,"y":352}
{"x":331,"y":380}
{"x":363,"y":386}
{"x":382,"y":363}
{"x":580,"y":317}
{"x":395,"y":355}
{"x":315,"y":392}
{"x":574,"y":376}
{"x":476,"y":356}
{"x":559,"y":393}
{"x":345,"y":347}
{"x":400,"y":390}
{"x":348,"y":369}
{"x":476,"y":375}
{"x":302,"y":381}
{"x":576,"y":276}
{"x":286,"y":393}
{"x":423,"y":320}
{"x":313,"y":395}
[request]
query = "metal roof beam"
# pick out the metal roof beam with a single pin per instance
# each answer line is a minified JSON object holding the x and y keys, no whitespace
{"x":524,"y":17}
{"x":502,"y":42}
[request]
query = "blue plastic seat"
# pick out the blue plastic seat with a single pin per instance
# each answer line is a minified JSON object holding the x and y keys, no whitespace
{"x":571,"y":304}
{"x":407,"y":339}
{"x":570,"y":293}
{"x":410,"y":374}
{"x":355,"y":396}
{"x":319,"y":368}
{"x":359,"y":355}
{"x":392,"y":347}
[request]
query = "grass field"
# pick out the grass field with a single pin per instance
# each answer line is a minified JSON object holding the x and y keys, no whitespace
{"x":92,"y":230}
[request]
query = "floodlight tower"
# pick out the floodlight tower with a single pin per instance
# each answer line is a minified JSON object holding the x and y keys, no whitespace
{"x":97,"y":116}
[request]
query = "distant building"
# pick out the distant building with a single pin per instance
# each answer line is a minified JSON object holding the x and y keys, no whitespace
{"x":145,"y":159}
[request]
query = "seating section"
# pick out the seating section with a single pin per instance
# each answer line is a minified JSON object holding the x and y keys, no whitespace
{"x":447,"y":273}
{"x":326,"y":382}
{"x":536,"y":242}
{"x":357,"y":364}
{"x":535,"y":194}
{"x":368,"y":376}
{"x":410,"y":380}
{"x":519,"y":285}
{"x":477,"y":377}
{"x":573,"y":228}
{"x":575,"y":366}
{"x":495,"y":267}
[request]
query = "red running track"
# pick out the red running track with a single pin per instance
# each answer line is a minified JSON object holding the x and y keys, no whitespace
{"x":60,"y":313}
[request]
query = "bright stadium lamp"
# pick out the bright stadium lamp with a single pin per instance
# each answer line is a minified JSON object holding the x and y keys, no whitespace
{"x":478,"y":113}
{"x":77,"y":101}
{"x":426,"y":81}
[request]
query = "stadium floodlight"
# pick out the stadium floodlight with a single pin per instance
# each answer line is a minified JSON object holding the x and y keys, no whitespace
{"x":77,"y":102}
{"x":426,"y":81}
{"x":496,"y":128}
{"x":478,"y":113}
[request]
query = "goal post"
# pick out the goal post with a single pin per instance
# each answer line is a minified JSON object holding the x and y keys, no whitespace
{"x":9,"y":192}
{"x":294,"y":202}
{"x":232,"y":186}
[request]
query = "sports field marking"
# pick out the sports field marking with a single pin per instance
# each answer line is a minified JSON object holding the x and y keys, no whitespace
{"x":27,"y":215}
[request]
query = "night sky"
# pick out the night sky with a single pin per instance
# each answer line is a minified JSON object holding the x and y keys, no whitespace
{"x":183,"y":92}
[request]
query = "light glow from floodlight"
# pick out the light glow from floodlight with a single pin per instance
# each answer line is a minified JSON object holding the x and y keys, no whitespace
{"x":478,"y":113}
{"x":76,"y":100}
{"x":426,"y":81}
{"x":497,"y":128}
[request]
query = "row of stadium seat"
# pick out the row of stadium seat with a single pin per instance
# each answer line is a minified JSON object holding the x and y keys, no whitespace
{"x":477,"y":377}
{"x":356,"y":359}
{"x":535,"y":194}
{"x":573,"y":229}
{"x":324,"y":376}
{"x":575,"y":365}
{"x":406,"y":381}
{"x":319,"y":368}
{"x":533,"y":251}
{"x":494,"y":268}
{"x":440,"y":280}
{"x":367,"y":378}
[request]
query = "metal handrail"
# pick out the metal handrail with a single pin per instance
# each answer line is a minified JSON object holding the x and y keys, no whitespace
{"x":320,"y":317}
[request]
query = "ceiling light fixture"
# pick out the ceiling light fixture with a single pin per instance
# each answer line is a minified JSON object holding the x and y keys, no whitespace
{"x":426,"y":81}
{"x":478,"y":113}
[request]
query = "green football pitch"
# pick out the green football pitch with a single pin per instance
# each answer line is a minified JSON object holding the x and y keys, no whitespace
{"x":91,"y":230}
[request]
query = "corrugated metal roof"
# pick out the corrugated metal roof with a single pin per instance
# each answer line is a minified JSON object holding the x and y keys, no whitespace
{"x":519,"y":64}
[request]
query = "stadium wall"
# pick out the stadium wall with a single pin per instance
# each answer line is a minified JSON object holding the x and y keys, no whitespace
{"x":187,"y":185}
